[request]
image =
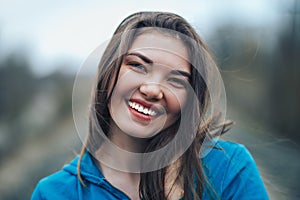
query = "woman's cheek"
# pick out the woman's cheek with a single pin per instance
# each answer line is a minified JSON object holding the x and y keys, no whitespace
{"x":129,"y":81}
{"x":176,"y":101}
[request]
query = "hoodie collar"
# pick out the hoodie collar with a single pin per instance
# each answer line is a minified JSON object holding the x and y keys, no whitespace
{"x":88,"y":169}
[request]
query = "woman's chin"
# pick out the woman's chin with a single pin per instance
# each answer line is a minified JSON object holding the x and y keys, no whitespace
{"x":141,"y":132}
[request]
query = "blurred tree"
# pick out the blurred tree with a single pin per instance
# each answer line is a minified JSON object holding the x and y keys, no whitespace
{"x":17,"y":86}
{"x":29,"y":106}
{"x":261,"y":70}
{"x":284,"y":94}
{"x":241,"y":59}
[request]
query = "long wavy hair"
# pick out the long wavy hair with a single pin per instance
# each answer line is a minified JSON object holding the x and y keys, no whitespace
{"x":189,"y":168}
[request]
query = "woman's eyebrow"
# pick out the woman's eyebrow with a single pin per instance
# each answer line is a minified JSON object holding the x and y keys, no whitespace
{"x":141,"y":56}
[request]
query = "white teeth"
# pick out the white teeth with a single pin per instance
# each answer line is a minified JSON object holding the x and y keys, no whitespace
{"x":141,"y":109}
{"x":145,"y":111}
{"x":152,"y":113}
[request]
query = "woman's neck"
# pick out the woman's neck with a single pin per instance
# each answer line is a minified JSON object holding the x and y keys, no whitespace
{"x":124,"y":181}
{"x":111,"y":154}
{"x":125,"y":141}
{"x":122,"y":151}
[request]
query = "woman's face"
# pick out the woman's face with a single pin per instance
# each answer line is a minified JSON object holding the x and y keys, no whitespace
{"x":151,"y":89}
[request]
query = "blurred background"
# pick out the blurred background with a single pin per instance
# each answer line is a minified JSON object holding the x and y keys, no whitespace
{"x":44,"y":43}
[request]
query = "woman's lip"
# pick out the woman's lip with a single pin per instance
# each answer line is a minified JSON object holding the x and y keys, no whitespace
{"x":143,"y":103}
{"x":139,"y":115}
{"x":146,"y":105}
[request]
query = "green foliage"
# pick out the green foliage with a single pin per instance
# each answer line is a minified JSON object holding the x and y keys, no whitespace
{"x":17,"y":86}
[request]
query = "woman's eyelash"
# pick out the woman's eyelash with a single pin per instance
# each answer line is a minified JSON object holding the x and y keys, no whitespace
{"x":178,"y":81}
{"x":138,"y":66}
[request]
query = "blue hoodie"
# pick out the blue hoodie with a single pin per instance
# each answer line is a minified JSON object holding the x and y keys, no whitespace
{"x":230,"y":169}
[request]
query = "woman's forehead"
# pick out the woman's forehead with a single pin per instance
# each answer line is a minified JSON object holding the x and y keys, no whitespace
{"x":158,"y":40}
{"x":161,"y":49}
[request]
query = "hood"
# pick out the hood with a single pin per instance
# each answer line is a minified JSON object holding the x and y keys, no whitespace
{"x":88,"y":169}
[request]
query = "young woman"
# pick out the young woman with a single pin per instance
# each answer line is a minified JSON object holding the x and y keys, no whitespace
{"x":155,"y":117}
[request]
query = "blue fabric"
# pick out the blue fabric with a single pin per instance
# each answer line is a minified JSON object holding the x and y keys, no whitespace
{"x":229,"y":167}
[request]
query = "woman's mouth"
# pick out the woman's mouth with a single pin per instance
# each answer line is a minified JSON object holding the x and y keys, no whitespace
{"x":142,"y":109}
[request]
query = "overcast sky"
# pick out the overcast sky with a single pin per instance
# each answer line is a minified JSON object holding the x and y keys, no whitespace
{"x":51,"y":30}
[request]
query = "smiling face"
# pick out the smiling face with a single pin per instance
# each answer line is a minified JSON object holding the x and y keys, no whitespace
{"x":151,"y":89}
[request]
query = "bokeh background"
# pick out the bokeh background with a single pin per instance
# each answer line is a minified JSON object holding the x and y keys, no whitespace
{"x":43,"y":44}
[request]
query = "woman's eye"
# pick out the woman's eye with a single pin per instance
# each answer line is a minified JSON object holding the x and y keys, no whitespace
{"x":138,"y":66}
{"x":179,"y":83}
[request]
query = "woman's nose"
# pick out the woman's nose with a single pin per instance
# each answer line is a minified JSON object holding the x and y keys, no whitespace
{"x":151,"y":91}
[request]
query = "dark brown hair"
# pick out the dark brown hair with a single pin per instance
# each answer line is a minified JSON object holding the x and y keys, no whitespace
{"x":190,"y":171}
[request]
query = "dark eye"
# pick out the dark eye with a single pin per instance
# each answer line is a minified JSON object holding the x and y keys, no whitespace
{"x":138,"y":67}
{"x":179,"y":83}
